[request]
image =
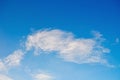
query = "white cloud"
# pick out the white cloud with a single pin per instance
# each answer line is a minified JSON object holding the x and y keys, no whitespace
{"x":43,"y":76}
{"x":78,"y":50}
{"x":48,"y":40}
{"x":11,"y":60}
{"x":14,"y":58}
{"x":2,"y":66}
{"x":4,"y":77}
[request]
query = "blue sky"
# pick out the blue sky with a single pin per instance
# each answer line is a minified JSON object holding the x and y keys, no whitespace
{"x":59,"y":40}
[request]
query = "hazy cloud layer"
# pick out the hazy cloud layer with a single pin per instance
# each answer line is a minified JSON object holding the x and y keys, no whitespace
{"x":4,"y":77}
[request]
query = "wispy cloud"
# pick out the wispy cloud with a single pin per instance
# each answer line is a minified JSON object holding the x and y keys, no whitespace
{"x":117,"y":40}
{"x":77,"y":50}
{"x":14,"y":58}
{"x":42,"y":76}
{"x":2,"y":66}
{"x":11,"y":60}
{"x":4,"y":77}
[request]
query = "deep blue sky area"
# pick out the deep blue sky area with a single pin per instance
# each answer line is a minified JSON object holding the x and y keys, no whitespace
{"x":19,"y":18}
{"x":20,"y":15}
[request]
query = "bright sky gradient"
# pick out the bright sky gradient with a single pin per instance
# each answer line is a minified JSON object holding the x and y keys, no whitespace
{"x":59,"y":40}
